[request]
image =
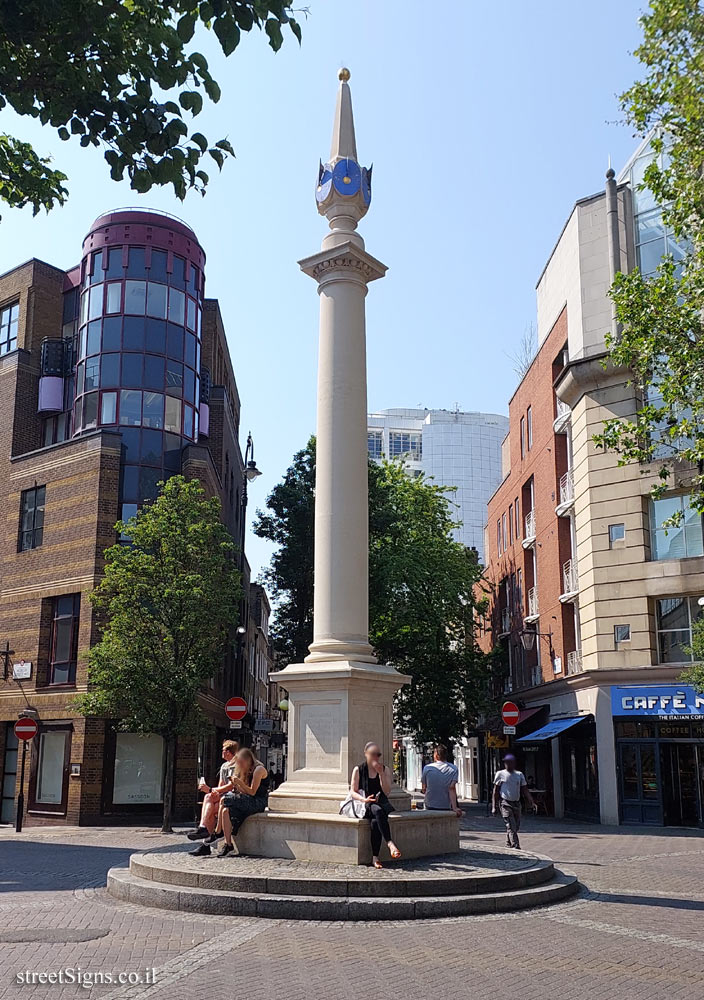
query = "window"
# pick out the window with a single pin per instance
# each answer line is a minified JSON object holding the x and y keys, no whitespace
{"x":48,"y":785}
{"x":156,"y":300}
{"x":32,"y":518}
{"x":139,"y":769}
{"x":523,"y":437}
{"x":114,"y":297}
{"x":675,"y":617}
{"x":9,"y":319}
{"x":108,"y":408}
{"x":678,"y":542}
{"x":375,"y":444}
{"x":617,"y":534}
{"x":517,"y":519}
{"x":510,"y":525}
{"x":135,"y":297}
{"x":622,"y":633}
{"x":177,"y":304}
{"x":64,"y":639}
{"x":529,"y":417}
{"x":402,"y":443}
{"x":498,"y":537}
{"x":503,"y":531}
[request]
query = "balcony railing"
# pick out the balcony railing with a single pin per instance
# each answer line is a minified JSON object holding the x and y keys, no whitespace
{"x":505,"y":621}
{"x":574,"y":662}
{"x":570,"y":580}
{"x":562,"y":418}
{"x":566,"y":492}
{"x":529,"y":529}
{"x":532,"y":604}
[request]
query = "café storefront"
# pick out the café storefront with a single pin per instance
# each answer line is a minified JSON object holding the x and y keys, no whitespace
{"x":659,"y":737}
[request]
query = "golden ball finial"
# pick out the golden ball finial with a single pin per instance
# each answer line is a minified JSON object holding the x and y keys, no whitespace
{"x":343,"y":74}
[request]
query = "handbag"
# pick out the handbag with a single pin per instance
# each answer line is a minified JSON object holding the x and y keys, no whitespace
{"x":353,"y":808}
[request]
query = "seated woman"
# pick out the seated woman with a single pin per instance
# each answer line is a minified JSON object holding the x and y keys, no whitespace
{"x":371,"y":783}
{"x":211,"y":802}
{"x":250,"y":795}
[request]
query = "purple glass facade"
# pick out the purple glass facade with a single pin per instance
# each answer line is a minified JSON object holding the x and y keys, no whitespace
{"x":139,"y":343}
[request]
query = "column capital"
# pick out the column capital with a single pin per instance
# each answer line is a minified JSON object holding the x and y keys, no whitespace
{"x":344,"y":261}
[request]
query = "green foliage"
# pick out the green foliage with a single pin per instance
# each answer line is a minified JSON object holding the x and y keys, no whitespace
{"x":694,"y":675}
{"x":423,"y":613}
{"x":421,"y":583}
{"x":289,"y":577}
{"x":660,"y":339}
{"x":167,"y":602}
{"x":119,"y":74}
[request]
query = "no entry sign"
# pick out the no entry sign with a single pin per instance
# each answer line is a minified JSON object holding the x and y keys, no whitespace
{"x":510,"y":713}
{"x":26,"y":728}
{"x":236,"y":709}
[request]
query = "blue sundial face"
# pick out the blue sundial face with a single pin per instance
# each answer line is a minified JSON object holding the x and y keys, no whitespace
{"x":366,"y":185}
{"x":347,"y":177}
{"x":324,"y":183}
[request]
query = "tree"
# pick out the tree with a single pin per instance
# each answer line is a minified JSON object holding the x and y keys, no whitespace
{"x":522,"y":357}
{"x":167,"y":602}
{"x":119,"y":74}
{"x":423,"y":612}
{"x":694,"y":675}
{"x":421,"y":582}
{"x":289,"y":576}
{"x":661,"y":335}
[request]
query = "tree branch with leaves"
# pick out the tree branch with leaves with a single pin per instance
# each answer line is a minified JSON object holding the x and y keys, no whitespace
{"x":120,"y":75}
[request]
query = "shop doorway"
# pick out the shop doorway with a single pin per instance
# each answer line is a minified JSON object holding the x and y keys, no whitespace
{"x":680,"y":792}
{"x":640,"y":783}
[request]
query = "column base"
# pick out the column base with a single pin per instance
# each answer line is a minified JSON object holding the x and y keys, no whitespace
{"x":336,"y":706}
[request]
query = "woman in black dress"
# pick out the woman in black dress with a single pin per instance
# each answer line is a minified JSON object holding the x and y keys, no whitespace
{"x":251,"y":795}
{"x":371,"y":783}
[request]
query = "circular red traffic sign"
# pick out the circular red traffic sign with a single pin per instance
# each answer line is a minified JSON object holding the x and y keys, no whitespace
{"x":236,"y":709}
{"x":26,"y":728}
{"x":510,"y":713}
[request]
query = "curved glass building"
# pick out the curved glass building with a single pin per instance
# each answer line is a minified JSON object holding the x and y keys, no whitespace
{"x":138,"y":344}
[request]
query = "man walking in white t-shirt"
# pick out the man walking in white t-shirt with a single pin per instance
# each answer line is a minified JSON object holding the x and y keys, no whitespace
{"x":509,"y":786}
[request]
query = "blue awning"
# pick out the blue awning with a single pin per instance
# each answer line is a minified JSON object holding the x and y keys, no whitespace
{"x":551,"y":730}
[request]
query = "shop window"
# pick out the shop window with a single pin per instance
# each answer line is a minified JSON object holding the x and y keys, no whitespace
{"x":138,"y":777}
{"x":64,"y":639}
{"x":682,"y":541}
{"x":51,"y":755}
{"x":32,"y":518}
{"x":617,"y":535}
{"x":9,"y":321}
{"x":675,"y":617}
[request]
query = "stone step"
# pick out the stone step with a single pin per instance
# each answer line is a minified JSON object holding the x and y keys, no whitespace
{"x":125,"y":885}
{"x":268,"y":876}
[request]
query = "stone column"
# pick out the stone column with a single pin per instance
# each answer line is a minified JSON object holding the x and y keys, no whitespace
{"x":340,"y":697}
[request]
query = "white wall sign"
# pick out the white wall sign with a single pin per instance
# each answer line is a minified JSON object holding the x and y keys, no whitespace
{"x":21,"y":671}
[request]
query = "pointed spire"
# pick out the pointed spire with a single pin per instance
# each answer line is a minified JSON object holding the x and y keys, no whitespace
{"x":343,"y":141}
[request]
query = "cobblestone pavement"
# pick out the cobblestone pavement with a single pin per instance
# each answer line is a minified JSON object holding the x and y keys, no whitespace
{"x":636,"y":931}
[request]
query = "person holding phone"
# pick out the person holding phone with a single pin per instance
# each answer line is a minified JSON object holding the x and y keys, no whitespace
{"x":371,"y":783}
{"x":211,"y":802}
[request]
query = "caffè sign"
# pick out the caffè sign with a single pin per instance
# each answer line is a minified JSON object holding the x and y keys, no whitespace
{"x":669,"y":702}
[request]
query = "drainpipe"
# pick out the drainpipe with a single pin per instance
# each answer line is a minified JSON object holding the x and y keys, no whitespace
{"x":613,"y":240}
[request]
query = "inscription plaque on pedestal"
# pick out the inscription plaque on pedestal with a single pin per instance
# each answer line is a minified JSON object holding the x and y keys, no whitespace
{"x":320,"y":736}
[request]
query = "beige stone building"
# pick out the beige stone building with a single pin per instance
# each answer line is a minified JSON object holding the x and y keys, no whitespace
{"x":618,"y":737}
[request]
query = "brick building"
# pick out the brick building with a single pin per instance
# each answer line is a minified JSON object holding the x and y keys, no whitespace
{"x":607,"y":729}
{"x":113,"y":375}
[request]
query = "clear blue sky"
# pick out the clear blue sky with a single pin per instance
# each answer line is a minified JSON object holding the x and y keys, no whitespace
{"x":485,"y":122}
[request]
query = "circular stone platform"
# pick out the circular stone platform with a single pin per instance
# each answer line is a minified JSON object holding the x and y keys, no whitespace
{"x":472,"y":880}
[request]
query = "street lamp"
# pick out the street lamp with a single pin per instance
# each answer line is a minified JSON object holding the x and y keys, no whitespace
{"x":528,"y":637}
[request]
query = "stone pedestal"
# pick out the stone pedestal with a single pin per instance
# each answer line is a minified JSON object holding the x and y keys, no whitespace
{"x":326,"y":837}
{"x":335,"y":707}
